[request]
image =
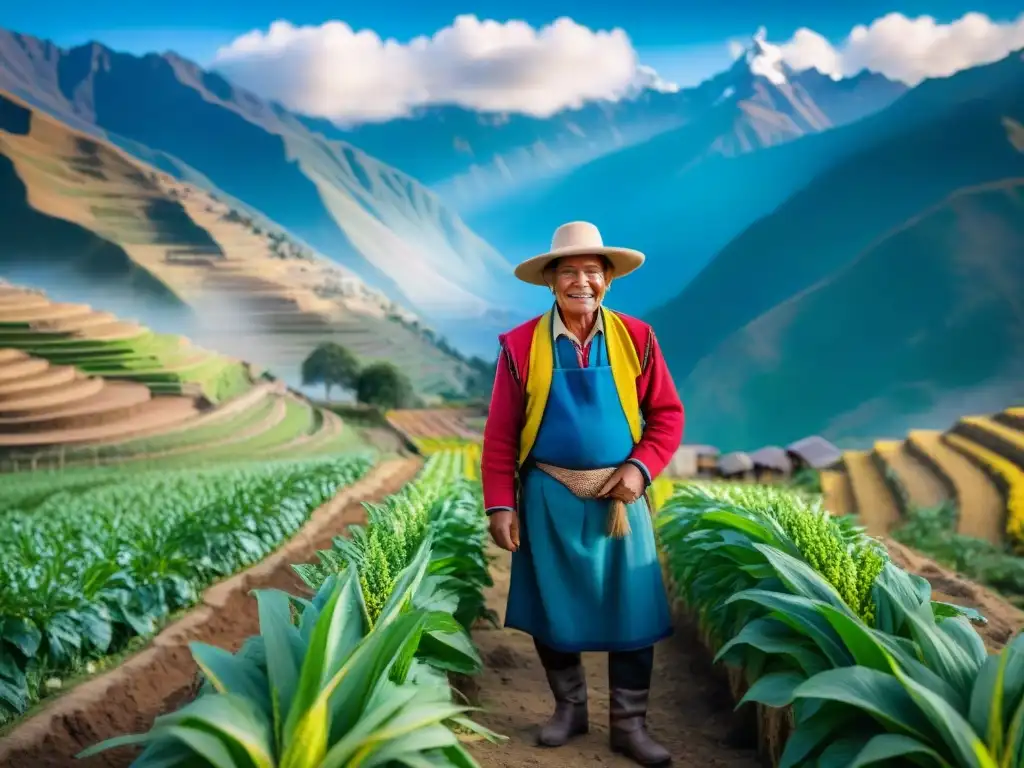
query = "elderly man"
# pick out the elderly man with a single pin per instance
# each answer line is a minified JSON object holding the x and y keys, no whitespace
{"x":583,"y":416}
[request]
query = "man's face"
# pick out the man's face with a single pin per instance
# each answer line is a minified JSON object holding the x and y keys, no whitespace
{"x":580,"y":283}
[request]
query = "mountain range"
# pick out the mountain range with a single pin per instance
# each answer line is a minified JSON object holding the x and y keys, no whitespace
{"x":374,"y":220}
{"x":773,"y":206}
{"x":887,"y":292}
{"x":91,"y":224}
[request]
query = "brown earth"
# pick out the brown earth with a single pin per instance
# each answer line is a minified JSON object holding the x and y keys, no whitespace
{"x":160,"y":678}
{"x":691,"y":713}
{"x":1004,"y":619}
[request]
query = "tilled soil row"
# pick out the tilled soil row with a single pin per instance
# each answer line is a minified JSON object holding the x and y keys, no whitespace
{"x":160,"y":678}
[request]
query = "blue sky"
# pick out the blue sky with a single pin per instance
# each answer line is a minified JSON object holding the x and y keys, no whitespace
{"x":684,"y":41}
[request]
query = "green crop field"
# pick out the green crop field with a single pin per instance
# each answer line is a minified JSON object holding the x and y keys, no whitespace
{"x":847,"y":656}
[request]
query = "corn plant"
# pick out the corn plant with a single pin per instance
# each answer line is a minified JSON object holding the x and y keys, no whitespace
{"x":82,"y":575}
{"x":325,"y":690}
{"x":886,"y":675}
{"x":441,"y":502}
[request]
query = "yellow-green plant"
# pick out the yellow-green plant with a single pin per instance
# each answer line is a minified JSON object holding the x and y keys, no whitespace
{"x":326,"y":691}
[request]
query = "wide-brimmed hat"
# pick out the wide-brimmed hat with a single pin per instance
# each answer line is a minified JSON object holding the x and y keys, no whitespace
{"x":578,"y":238}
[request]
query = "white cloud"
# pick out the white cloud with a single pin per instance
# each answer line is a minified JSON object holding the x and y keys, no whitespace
{"x":332,"y":71}
{"x":907,"y":49}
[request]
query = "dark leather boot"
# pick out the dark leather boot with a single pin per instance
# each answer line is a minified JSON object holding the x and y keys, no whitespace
{"x":570,"y":717}
{"x":629,"y":736}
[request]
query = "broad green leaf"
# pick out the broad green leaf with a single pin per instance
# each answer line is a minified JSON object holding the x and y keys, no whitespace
{"x":818,"y":729}
{"x":802,"y":615}
{"x":858,"y":638}
{"x":803,"y":580}
{"x":283,"y":663}
{"x":876,"y":693}
{"x":774,"y":690}
{"x":338,"y":630}
{"x":886,"y":746}
{"x":775,"y":637}
{"x":962,"y":744}
{"x":204,"y":744}
{"x":407,"y":583}
{"x":229,"y":673}
{"x":23,"y":634}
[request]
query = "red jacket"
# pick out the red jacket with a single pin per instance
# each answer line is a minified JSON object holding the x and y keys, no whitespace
{"x":656,"y":394}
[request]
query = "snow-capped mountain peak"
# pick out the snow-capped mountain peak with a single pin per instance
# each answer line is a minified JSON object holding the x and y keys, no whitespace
{"x":765,"y":59}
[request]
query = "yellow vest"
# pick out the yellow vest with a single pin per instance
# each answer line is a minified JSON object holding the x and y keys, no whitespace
{"x":622,"y":357}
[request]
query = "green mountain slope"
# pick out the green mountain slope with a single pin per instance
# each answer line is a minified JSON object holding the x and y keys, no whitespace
{"x":925,"y":324}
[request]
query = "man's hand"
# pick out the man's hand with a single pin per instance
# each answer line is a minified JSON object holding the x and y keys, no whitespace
{"x":504,"y":525}
{"x":627,"y":484}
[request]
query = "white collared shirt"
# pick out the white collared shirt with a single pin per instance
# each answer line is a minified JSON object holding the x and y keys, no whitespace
{"x":558,"y":328}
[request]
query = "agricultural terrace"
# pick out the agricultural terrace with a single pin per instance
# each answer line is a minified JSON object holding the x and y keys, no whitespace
{"x":814,"y":622}
{"x":956,"y":496}
{"x":433,"y":429}
{"x":99,"y":344}
{"x":59,"y":417}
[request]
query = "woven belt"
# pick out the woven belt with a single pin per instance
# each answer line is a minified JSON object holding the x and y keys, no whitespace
{"x":586,"y":484}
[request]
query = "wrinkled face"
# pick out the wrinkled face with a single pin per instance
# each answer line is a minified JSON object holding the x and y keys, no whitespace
{"x":579,"y":283}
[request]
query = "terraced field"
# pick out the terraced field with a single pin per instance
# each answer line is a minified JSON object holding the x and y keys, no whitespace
{"x":253,"y":290}
{"x":97,"y":343}
{"x":977,"y":465}
{"x":433,"y":429}
{"x":58,"y":416}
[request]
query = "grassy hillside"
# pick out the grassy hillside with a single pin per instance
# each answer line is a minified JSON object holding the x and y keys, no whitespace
{"x":62,"y":415}
{"x":86,"y":218}
{"x":843,"y":211}
{"x":925,"y":323}
{"x":372,"y":219}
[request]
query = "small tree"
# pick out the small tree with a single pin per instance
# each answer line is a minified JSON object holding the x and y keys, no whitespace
{"x":332,"y":365}
{"x":383,"y":385}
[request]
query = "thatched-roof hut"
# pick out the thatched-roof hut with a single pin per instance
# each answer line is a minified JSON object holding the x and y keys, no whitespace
{"x":771,"y":463}
{"x":813,"y":451}
{"x":683,"y":463}
{"x":707,"y":459}
{"x":736,"y":465}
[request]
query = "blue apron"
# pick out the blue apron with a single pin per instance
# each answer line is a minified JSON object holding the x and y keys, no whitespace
{"x":572,"y":586}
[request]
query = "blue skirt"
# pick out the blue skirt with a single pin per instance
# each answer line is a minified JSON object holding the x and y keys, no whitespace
{"x":572,"y":586}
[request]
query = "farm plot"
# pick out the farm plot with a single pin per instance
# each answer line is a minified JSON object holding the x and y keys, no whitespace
{"x":435,"y":424}
{"x":90,"y":420}
{"x":86,"y":570}
{"x":422,"y":544}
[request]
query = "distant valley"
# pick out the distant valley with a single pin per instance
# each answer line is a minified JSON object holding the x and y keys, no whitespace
{"x":89,"y":224}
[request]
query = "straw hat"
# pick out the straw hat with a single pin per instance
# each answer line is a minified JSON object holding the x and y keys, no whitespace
{"x":578,"y":238}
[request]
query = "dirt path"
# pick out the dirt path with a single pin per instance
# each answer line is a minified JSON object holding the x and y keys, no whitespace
{"x":981,"y":509}
{"x":690,"y":712}
{"x":875,"y":504}
{"x":159,"y":679}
